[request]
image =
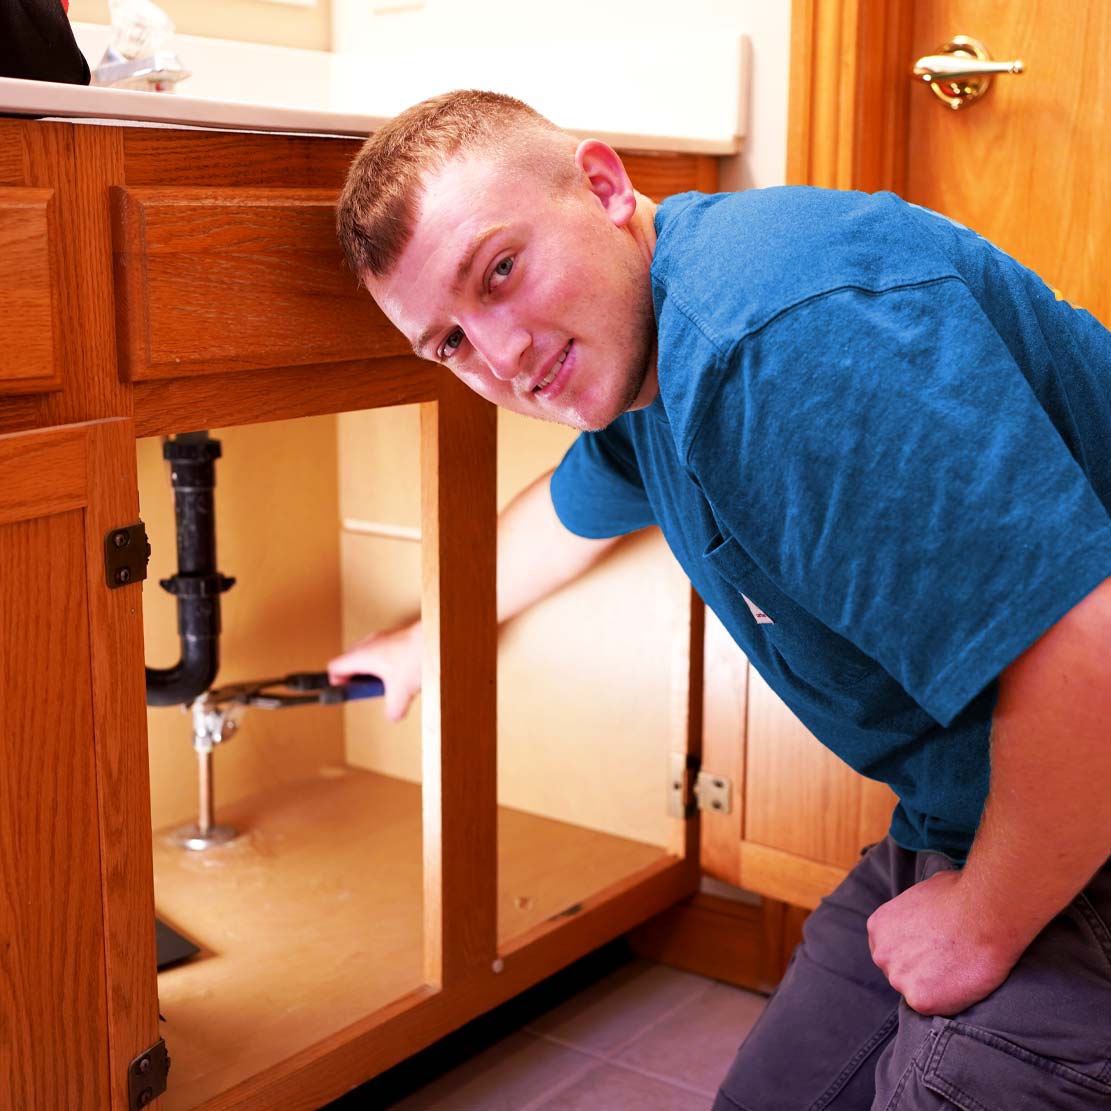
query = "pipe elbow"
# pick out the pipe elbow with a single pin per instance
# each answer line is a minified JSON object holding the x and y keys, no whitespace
{"x":191,"y":676}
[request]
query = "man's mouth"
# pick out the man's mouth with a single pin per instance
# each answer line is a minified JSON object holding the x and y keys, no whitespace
{"x":552,"y":374}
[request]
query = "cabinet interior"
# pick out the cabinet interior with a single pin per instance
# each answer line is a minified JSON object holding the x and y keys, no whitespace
{"x":313,"y":917}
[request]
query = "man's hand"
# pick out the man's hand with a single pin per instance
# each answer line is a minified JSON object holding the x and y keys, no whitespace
{"x":394,"y":656}
{"x":935,"y":951}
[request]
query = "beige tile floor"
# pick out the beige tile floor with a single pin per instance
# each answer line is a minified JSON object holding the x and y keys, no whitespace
{"x":644,"y":1036}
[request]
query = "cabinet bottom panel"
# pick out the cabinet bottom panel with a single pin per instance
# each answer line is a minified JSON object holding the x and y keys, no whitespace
{"x":311,"y":919}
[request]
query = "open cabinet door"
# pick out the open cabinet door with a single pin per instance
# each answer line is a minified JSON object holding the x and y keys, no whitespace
{"x":78,"y":998}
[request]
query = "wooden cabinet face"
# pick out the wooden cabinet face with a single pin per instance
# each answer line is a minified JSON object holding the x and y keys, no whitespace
{"x":217,"y":280}
{"x":51,"y":954}
{"x":28,"y":291}
{"x":805,"y":814}
{"x":799,"y":815}
{"x":74,"y":910}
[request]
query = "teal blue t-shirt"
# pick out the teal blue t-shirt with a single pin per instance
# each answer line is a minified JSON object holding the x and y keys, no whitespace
{"x":881,"y":451}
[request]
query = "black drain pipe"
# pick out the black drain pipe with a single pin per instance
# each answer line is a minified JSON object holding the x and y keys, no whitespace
{"x":197,"y":584}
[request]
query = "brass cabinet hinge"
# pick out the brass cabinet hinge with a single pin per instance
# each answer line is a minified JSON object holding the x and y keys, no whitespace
{"x":146,"y":1076}
{"x":126,"y":554}
{"x":690,"y":789}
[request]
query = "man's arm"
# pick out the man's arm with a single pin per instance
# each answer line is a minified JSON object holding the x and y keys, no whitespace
{"x":536,"y":556}
{"x":948,"y":942}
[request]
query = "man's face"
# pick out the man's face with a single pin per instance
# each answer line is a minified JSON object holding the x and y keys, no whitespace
{"x":538,"y":299}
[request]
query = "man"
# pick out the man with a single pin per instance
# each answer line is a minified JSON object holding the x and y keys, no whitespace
{"x":878,"y":446}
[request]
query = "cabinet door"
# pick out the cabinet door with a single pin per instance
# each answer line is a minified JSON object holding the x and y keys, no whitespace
{"x":807,"y":814}
{"x":799,"y":816}
{"x":77,"y":965}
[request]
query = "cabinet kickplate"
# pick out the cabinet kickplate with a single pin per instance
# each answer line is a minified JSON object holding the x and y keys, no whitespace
{"x":714,"y":792}
{"x":126,"y":553}
{"x":146,"y":1076}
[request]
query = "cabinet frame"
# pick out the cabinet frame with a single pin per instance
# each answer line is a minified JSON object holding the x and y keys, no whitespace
{"x":88,"y":426}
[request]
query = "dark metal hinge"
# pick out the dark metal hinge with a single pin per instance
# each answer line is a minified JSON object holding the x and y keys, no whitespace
{"x":126,"y":554}
{"x":146,"y":1076}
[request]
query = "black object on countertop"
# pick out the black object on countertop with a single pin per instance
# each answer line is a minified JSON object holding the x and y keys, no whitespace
{"x":37,"y":43}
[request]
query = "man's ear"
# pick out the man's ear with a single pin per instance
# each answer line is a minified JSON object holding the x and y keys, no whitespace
{"x":607,"y":179}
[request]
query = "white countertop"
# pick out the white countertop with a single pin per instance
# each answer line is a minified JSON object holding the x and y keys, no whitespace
{"x":686,"y":93}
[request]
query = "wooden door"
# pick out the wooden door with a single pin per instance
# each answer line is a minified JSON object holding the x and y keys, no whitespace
{"x":1027,"y":165}
{"x":77,"y":967}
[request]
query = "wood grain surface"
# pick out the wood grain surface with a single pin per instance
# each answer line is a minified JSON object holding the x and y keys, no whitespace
{"x":1027,"y":166}
{"x":52,"y":969}
{"x":157,"y":157}
{"x":724,"y":730}
{"x":120,"y":745}
{"x":799,"y":797}
{"x":459,"y":686}
{"x":849,"y":91}
{"x":91,"y":386}
{"x":43,"y":474}
{"x":224,"y":280}
{"x":31,"y":322}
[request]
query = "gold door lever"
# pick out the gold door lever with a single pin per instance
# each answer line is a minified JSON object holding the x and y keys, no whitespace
{"x":961,"y":71}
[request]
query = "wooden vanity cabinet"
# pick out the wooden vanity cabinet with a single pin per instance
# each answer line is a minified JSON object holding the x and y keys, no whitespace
{"x":157,"y":281}
{"x":161,"y":281}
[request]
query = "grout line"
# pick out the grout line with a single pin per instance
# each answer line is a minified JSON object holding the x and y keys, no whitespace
{"x":572,"y":1078}
{"x":601,"y":1058}
{"x":620,"y":1047}
{"x":674,"y":1081}
{"x":379,"y":528}
{"x":609,"y":1057}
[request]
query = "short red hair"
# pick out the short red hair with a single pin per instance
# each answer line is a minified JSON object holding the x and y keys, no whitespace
{"x":378,"y":206}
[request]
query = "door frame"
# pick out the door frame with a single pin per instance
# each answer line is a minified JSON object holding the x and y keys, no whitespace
{"x":850,"y":89}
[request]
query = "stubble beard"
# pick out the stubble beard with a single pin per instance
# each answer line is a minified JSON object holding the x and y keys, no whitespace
{"x":644,"y":350}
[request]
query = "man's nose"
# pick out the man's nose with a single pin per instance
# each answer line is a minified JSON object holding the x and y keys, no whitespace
{"x":502,"y":343}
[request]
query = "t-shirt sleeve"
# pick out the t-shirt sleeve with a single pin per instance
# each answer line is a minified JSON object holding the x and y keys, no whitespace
{"x":884,"y":459}
{"x":597,"y":490}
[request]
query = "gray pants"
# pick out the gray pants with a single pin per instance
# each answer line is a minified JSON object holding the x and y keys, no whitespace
{"x":836,"y":1035}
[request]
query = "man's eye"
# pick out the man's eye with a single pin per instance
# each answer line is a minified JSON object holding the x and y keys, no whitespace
{"x":451,"y":344}
{"x":501,"y":271}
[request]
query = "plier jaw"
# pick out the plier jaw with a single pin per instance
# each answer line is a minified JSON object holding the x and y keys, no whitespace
{"x":300,"y":688}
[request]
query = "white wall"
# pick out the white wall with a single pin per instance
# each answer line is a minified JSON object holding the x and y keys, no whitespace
{"x":461,"y":24}
{"x":302,"y":23}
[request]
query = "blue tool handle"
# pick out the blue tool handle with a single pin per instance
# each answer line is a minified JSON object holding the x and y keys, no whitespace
{"x":358,"y":686}
{"x":362,"y":686}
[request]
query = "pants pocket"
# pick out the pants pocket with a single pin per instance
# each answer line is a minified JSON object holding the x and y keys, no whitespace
{"x":978,"y":1071}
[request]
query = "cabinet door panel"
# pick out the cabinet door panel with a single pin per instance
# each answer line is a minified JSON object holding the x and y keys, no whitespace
{"x":77,"y":976}
{"x":52,"y":956}
{"x":806,"y":814}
